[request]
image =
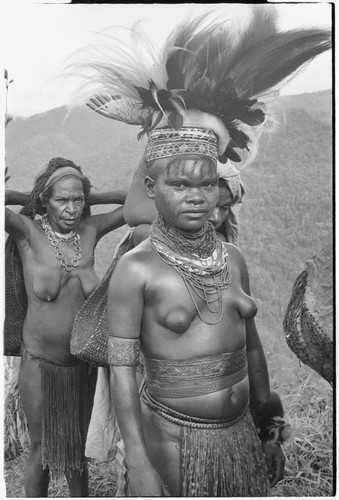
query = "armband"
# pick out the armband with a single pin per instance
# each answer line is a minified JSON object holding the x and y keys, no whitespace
{"x":123,"y":351}
{"x":268,"y":417}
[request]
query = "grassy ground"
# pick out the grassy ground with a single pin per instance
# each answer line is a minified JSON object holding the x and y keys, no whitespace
{"x":309,"y":453}
{"x":102,"y":479}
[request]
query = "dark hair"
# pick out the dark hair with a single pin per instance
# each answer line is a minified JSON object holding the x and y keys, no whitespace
{"x":35,"y":203}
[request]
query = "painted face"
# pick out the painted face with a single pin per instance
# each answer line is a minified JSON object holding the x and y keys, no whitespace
{"x":185,"y":190}
{"x":66,"y":204}
{"x":221,"y":211}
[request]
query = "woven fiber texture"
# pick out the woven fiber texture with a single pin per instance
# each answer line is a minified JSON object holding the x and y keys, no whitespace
{"x":309,"y":333}
{"x":89,"y":339}
{"x":15,"y":300}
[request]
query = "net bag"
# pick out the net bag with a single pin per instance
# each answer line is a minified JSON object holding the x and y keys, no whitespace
{"x":308,"y":321}
{"x":89,"y":339}
{"x":15,"y":299}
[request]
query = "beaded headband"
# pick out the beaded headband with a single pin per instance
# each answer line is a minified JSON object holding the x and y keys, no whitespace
{"x":166,"y":142}
{"x":59,"y":174}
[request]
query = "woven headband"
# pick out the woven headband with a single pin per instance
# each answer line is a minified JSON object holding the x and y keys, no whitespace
{"x":166,"y":142}
{"x":60,"y":173}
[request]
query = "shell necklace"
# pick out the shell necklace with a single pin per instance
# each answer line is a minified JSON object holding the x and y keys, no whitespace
{"x":57,"y":240}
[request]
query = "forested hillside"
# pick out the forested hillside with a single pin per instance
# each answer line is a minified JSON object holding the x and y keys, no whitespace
{"x":286,"y":217}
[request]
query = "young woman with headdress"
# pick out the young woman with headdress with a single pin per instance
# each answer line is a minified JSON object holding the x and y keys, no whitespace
{"x":53,"y":255}
{"x":139,"y":210}
{"x":206,"y":415}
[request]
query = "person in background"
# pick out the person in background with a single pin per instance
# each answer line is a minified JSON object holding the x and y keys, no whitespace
{"x":57,"y":256}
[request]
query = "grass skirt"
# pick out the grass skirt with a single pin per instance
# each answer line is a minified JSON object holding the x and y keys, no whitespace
{"x":218,"y":457}
{"x":67,"y":393}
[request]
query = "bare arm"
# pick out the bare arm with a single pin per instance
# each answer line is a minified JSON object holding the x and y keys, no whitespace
{"x":125,"y":309}
{"x":144,"y":480}
{"x":260,"y":388}
{"x":107,"y":222}
{"x":16,"y":225}
{"x":138,"y":208}
{"x":108,"y":197}
{"x":13,"y":197}
{"x":257,"y":366}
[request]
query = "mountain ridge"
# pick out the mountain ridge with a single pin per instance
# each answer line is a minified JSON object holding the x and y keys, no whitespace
{"x":287,"y":214}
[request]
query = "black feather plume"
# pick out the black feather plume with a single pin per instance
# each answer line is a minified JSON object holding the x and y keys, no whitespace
{"x":214,"y":63}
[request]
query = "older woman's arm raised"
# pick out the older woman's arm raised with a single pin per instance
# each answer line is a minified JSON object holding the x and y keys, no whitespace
{"x":117,"y":197}
{"x":14,"y":197}
{"x":16,"y":225}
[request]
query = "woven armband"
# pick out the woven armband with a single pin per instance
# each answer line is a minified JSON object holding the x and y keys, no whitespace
{"x":268,"y":418}
{"x":123,"y":352}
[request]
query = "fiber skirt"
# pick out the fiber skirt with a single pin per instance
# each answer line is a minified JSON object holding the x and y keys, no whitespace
{"x":202,"y":458}
{"x":60,"y":396}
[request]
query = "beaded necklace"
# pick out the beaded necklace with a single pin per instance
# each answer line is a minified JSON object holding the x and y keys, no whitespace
{"x":57,"y":240}
{"x":200,"y":260}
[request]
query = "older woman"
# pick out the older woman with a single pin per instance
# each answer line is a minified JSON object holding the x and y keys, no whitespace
{"x":56,"y":252}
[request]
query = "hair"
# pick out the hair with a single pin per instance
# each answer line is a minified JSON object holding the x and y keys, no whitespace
{"x":37,"y":199}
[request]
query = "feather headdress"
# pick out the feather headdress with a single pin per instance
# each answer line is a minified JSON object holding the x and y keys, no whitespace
{"x":209,"y":68}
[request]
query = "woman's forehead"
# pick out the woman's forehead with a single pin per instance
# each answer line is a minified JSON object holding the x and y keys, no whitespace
{"x":69,"y":183}
{"x":189,"y":166}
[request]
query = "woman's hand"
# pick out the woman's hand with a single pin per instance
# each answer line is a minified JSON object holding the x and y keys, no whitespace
{"x":146,"y":482}
{"x":275,"y":461}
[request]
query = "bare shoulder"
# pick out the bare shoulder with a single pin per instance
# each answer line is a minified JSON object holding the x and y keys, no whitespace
{"x":22,"y":228}
{"x":237,"y":261}
{"x":135,"y":264}
{"x":235,"y":254}
{"x":13,"y":216}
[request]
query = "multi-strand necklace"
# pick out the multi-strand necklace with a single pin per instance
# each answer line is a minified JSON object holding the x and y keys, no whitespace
{"x":58,"y":240}
{"x":199,"y":258}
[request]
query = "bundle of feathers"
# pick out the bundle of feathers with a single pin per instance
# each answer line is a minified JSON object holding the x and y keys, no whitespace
{"x":212,"y":63}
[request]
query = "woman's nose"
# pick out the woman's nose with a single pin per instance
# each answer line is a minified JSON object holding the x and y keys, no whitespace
{"x":71,"y":207}
{"x":195,"y":195}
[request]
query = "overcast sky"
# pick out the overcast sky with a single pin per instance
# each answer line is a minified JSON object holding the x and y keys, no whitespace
{"x":39,"y":37}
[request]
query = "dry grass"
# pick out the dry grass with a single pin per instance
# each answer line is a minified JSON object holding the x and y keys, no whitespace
{"x":309,"y":466}
{"x":102,"y":479}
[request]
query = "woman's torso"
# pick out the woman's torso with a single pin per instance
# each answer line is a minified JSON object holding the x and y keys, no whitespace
{"x":172,"y":329}
{"x":54,"y":294}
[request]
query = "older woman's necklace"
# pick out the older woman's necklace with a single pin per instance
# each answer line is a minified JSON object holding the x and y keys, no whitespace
{"x":57,"y":240}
